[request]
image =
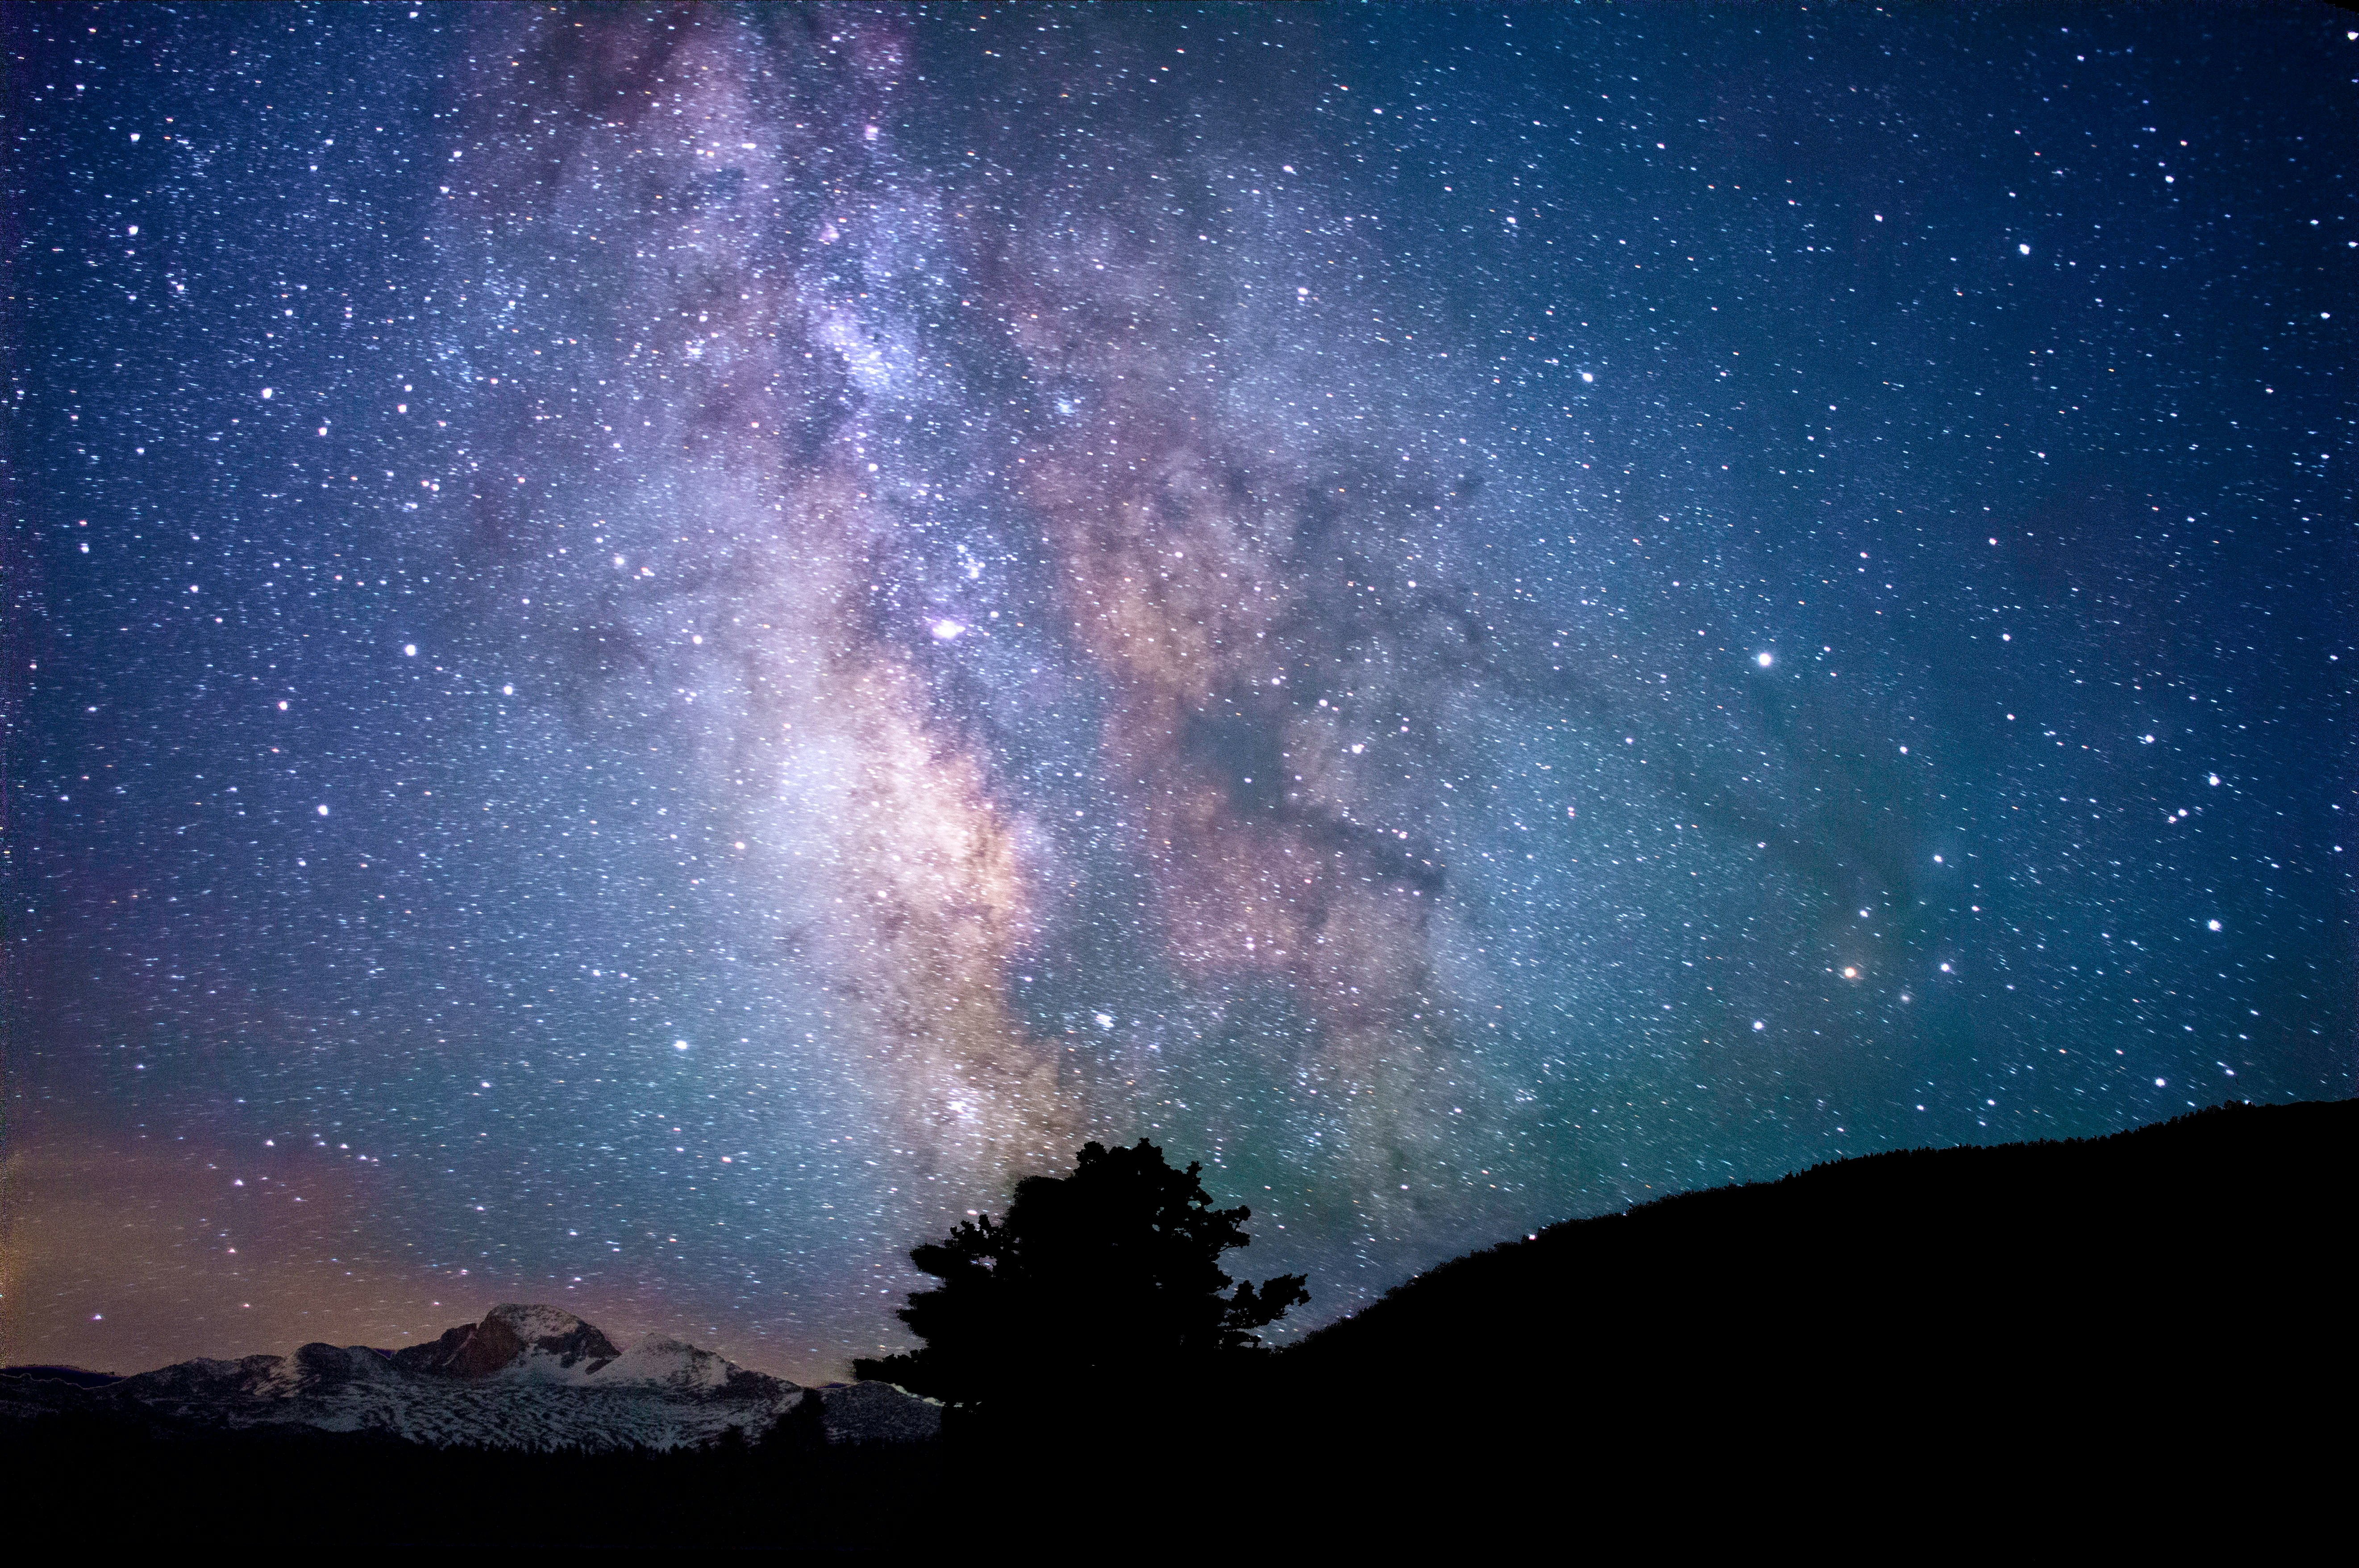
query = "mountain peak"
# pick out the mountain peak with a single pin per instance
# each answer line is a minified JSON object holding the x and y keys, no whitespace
{"x":512,"y":1334}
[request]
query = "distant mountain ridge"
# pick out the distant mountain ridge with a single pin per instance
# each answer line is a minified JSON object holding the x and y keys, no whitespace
{"x":527,"y":1376}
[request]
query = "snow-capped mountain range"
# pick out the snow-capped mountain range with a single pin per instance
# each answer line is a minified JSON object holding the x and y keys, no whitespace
{"x":525,"y":1377}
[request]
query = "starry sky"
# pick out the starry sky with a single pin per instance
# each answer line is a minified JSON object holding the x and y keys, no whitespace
{"x":651,"y":648}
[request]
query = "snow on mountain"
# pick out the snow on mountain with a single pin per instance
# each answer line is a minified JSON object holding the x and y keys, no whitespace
{"x":669,"y":1364}
{"x":527,"y":1376}
{"x":538,"y":1343}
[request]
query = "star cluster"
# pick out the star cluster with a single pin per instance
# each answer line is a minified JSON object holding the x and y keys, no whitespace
{"x":654,"y":648}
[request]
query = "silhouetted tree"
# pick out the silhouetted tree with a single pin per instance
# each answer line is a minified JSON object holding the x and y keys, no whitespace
{"x":802,"y":1429}
{"x":1109,"y":1276}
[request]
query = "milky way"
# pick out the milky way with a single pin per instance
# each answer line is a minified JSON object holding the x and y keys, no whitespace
{"x":656,"y":648}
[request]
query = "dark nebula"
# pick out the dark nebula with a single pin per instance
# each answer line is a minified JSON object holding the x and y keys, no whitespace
{"x":656,"y":647}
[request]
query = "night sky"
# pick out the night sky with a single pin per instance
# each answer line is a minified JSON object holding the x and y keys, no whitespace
{"x":653,"y":648}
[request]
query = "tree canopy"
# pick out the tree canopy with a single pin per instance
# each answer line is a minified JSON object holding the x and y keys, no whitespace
{"x":1108,"y":1276}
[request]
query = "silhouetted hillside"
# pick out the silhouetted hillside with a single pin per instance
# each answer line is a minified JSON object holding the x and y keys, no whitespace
{"x":2091,"y":1282}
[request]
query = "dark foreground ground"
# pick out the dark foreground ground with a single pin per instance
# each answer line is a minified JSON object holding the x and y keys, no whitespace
{"x":2146,"y":1337}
